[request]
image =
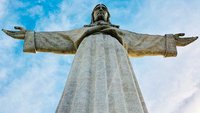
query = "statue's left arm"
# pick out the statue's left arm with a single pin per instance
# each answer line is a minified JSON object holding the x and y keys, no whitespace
{"x":144,"y":44}
{"x":57,"y":42}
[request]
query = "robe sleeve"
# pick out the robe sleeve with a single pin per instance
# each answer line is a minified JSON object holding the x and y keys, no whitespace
{"x":57,"y":42}
{"x":143,"y":44}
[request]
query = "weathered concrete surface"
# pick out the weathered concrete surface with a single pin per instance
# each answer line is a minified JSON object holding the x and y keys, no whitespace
{"x":101,"y":79}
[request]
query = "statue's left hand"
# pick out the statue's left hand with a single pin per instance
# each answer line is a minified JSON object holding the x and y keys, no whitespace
{"x":16,"y":34}
{"x":183,"y":41}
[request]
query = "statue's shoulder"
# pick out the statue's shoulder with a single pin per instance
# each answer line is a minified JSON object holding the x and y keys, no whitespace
{"x":76,"y":30}
{"x":127,"y":31}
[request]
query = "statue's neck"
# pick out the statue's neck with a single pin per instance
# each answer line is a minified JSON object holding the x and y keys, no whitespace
{"x":100,"y":22}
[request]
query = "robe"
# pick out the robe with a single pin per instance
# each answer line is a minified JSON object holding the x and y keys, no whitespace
{"x":101,"y":79}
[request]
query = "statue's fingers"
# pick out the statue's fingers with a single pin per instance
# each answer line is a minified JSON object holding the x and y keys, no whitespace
{"x":185,"y":41}
{"x":3,"y":30}
{"x":8,"y":32}
{"x":19,"y":36}
{"x":194,"y":38}
{"x":180,"y":34}
{"x":19,"y":28}
{"x":16,"y":27}
{"x":14,"y":34}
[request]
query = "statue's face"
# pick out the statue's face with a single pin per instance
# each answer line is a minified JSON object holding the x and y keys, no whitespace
{"x":100,"y":13}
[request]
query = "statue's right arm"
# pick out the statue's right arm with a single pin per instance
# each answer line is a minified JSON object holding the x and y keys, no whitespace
{"x":57,"y":42}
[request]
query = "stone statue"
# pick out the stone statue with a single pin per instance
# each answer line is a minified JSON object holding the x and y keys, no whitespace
{"x":101,"y":79}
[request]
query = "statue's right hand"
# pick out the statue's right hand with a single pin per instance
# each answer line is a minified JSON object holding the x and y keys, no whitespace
{"x":16,"y":34}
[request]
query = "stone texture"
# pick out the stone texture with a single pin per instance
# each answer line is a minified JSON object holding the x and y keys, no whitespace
{"x":67,"y":42}
{"x":101,"y":79}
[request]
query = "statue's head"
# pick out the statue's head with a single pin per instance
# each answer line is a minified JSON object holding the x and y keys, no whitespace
{"x":100,"y":16}
{"x":100,"y":13}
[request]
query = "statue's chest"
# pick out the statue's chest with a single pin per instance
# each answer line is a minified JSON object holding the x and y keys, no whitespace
{"x":100,"y":43}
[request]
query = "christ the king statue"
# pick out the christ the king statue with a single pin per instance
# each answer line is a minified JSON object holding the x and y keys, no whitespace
{"x":101,"y":79}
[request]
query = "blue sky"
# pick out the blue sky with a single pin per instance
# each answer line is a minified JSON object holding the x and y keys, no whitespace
{"x":33,"y":83}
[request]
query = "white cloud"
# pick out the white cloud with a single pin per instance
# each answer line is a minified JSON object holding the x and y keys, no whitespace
{"x":28,"y":83}
{"x":34,"y":83}
{"x":2,"y":8}
{"x":70,"y":15}
{"x":36,"y":11}
{"x":169,"y":85}
{"x":3,"y":74}
{"x":190,"y":104}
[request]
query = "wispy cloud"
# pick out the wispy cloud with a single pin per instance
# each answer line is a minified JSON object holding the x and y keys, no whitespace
{"x":70,"y":15}
{"x":2,"y":8}
{"x":36,"y":11}
{"x":33,"y":83}
{"x":168,"y":83}
{"x":29,"y":83}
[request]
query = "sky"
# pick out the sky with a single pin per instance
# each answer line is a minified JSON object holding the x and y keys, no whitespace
{"x":33,"y":83}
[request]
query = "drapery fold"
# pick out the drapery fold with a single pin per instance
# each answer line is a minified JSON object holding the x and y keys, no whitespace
{"x":101,"y":79}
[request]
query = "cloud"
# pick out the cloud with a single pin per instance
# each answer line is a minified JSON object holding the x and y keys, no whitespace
{"x":35,"y":91}
{"x":68,"y":16}
{"x":168,"y":83}
{"x":28,"y":82}
{"x":2,"y":8}
{"x":33,"y":83}
{"x":190,"y":104}
{"x":36,"y":11}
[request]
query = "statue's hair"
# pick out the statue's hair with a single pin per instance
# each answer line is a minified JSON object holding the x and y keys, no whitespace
{"x":108,"y":18}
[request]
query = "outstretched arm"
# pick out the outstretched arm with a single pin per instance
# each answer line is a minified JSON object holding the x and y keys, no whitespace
{"x":144,"y":44}
{"x":57,"y":42}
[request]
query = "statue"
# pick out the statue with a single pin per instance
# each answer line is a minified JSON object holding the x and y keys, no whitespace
{"x":101,"y":79}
